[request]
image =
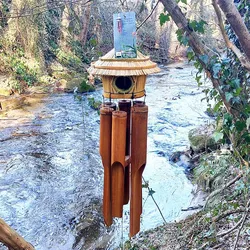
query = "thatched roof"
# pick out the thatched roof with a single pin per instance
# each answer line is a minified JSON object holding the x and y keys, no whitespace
{"x":109,"y":65}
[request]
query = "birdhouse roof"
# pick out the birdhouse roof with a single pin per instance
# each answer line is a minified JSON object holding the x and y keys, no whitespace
{"x":111,"y":66}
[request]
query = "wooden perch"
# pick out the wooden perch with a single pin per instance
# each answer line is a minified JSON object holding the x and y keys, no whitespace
{"x":12,"y":239}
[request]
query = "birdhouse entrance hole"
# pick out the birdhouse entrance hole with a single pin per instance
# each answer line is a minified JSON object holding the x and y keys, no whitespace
{"x":123,"y":84}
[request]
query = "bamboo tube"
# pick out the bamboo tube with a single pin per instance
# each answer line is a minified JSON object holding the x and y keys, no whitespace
{"x":109,"y":105}
{"x":118,"y":146}
{"x":125,"y":105}
{"x":12,"y":239}
{"x":139,"y":116}
{"x":105,"y":152}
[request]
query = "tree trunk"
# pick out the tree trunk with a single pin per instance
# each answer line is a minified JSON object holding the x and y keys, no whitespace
{"x":234,"y":18}
{"x":85,"y":27}
{"x":12,"y":239}
{"x":182,"y":23}
{"x":196,"y":44}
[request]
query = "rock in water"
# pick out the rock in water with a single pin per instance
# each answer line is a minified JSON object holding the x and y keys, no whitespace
{"x":201,"y":138}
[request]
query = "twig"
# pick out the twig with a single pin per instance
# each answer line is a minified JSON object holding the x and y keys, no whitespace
{"x":150,"y":14}
{"x":231,"y":229}
{"x":218,"y":246}
{"x":197,"y":156}
{"x":227,"y":213}
{"x":58,"y":6}
{"x":154,"y":201}
{"x":217,"y":191}
{"x":242,"y":224}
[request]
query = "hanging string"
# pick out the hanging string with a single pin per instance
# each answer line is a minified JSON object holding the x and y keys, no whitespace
{"x":83,"y":123}
{"x":145,"y":96}
{"x":122,"y":235}
{"x":150,"y":193}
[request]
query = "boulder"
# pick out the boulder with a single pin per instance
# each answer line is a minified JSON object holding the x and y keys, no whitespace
{"x":202,"y":138}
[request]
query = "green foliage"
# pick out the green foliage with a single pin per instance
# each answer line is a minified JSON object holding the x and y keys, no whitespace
{"x":194,"y":26}
{"x":164,"y":18}
{"x":233,"y":89}
{"x":50,"y":31}
{"x":14,"y":62}
{"x":182,"y":38}
{"x":22,"y":72}
{"x":68,"y":59}
{"x":85,"y":87}
{"x":183,"y":1}
{"x":197,"y":26}
{"x":94,"y":104}
{"x":218,"y":136}
{"x":78,"y":50}
{"x":4,"y":11}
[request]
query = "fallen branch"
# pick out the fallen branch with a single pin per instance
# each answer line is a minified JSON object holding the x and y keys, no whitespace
{"x":231,"y":229}
{"x":227,"y":213}
{"x":242,"y":224}
{"x":12,"y":239}
{"x":217,"y":191}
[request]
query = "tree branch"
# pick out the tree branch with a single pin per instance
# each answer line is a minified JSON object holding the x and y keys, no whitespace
{"x":235,"y":20}
{"x":150,"y":14}
{"x":227,"y":213}
{"x":182,"y":23}
{"x":230,"y":230}
{"x":196,"y":44}
{"x":242,"y":224}
{"x":44,"y":9}
{"x":12,"y":239}
{"x":244,"y":61}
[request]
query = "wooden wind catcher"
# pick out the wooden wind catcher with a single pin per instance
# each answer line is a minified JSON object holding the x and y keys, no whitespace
{"x":123,"y":133}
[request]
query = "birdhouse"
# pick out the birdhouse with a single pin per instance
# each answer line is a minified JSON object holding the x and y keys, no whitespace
{"x":123,"y":78}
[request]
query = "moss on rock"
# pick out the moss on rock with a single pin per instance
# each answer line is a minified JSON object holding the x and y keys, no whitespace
{"x":202,"y":138}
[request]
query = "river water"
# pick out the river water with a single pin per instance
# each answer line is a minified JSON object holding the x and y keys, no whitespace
{"x":51,"y":176}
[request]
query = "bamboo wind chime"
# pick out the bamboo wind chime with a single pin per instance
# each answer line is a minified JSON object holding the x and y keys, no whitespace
{"x":123,"y":164}
{"x":123,"y":133}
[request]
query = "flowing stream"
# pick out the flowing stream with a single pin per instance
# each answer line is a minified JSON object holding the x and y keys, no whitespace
{"x":51,"y":177}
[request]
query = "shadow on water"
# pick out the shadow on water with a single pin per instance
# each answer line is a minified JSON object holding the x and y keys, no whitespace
{"x":51,"y":174}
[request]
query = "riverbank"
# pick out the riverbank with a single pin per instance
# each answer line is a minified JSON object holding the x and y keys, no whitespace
{"x":169,"y":236}
{"x":222,"y":223}
{"x":18,"y":109}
